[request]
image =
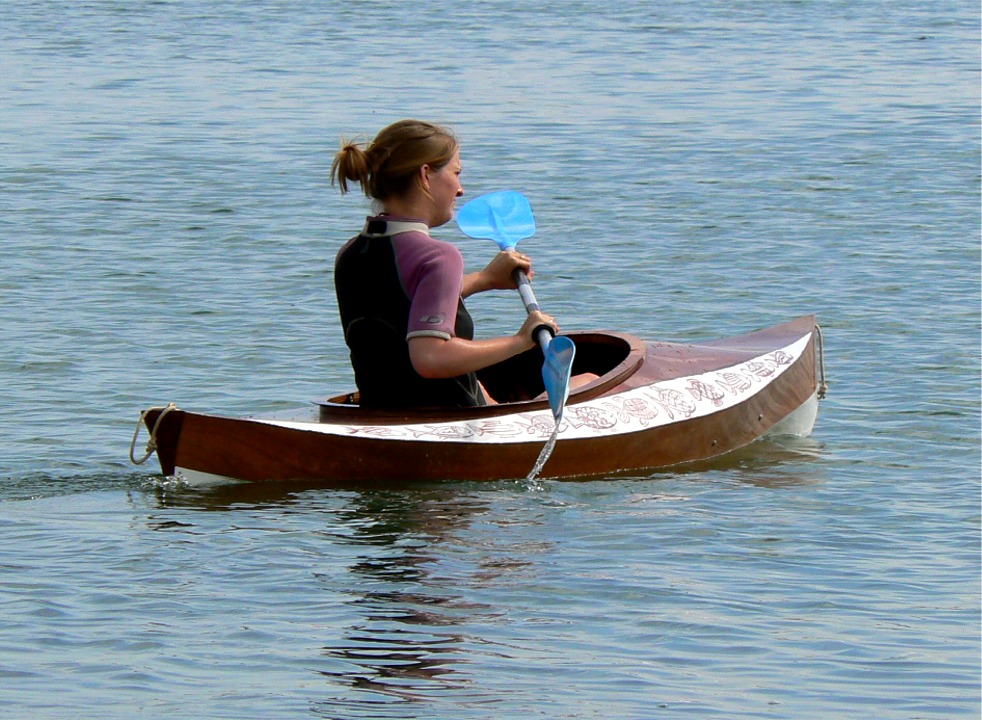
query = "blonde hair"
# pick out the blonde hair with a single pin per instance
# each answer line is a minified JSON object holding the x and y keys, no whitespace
{"x":389,"y":165}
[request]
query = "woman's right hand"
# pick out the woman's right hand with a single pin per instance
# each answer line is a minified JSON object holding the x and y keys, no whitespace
{"x":500,"y":272}
{"x":536,"y":319}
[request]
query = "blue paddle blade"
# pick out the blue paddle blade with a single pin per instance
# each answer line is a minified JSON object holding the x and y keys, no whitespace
{"x":556,"y":372}
{"x":505,"y":217}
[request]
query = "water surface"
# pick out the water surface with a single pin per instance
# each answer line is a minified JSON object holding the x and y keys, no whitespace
{"x":697,"y":169}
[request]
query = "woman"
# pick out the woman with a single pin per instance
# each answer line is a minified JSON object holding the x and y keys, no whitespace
{"x":400,"y":292}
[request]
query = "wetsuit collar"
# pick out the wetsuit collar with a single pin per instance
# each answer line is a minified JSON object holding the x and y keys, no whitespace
{"x":382,"y":227}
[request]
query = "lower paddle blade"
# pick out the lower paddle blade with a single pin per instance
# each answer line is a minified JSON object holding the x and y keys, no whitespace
{"x":556,"y":372}
{"x":505,"y":217}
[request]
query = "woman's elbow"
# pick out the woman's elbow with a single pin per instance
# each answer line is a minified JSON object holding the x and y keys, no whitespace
{"x":428,"y":370}
{"x":425,"y":354}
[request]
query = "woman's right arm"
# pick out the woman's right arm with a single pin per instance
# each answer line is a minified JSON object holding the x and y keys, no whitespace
{"x":498,"y":273}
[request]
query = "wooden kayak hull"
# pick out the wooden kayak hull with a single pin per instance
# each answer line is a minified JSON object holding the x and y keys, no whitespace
{"x":655,"y":405}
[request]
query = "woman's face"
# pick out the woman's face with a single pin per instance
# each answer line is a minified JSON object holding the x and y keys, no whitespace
{"x":444,"y":189}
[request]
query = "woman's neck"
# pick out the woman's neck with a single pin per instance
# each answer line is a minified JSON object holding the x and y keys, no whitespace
{"x":408,"y":207}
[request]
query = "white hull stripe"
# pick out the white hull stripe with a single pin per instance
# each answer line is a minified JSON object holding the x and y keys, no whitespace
{"x":661,"y":403}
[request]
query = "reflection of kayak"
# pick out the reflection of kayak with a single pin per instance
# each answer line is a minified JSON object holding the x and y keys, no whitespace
{"x":655,"y":404}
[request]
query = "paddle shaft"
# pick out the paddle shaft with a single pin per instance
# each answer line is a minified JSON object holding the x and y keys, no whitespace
{"x":506,"y":218}
{"x":543,"y":334}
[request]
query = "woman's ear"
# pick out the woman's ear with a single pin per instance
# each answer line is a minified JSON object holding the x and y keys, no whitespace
{"x":424,"y":176}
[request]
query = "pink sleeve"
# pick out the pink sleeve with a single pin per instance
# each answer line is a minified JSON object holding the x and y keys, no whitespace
{"x":433,"y":274}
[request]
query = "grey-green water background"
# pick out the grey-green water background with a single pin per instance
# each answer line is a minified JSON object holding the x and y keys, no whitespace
{"x":697,"y":169}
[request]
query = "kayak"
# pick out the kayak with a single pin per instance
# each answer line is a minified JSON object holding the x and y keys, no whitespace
{"x":653,"y":405}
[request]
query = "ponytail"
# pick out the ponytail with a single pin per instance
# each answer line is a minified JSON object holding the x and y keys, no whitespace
{"x":351,"y":163}
{"x":390,"y":164}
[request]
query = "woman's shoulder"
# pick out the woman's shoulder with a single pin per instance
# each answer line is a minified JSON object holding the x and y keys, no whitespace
{"x":423,"y":248}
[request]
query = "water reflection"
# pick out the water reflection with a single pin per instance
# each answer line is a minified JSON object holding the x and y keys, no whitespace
{"x":772,"y":463}
{"x":171,"y":492}
{"x":409,"y":565}
{"x":421,"y":578}
{"x":408,"y":644}
{"x":396,"y":663}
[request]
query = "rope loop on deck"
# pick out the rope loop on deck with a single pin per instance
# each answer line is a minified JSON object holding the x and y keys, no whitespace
{"x":152,"y":442}
{"x":823,"y":386}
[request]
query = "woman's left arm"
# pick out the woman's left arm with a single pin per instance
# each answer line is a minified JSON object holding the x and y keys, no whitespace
{"x":498,"y":274}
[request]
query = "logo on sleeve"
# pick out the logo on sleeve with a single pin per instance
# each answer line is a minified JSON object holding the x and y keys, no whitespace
{"x":433,"y":319}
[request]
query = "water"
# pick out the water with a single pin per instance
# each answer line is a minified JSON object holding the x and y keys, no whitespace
{"x":696,"y":169}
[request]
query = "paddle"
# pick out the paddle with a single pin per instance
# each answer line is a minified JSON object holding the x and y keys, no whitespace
{"x":506,"y":217}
